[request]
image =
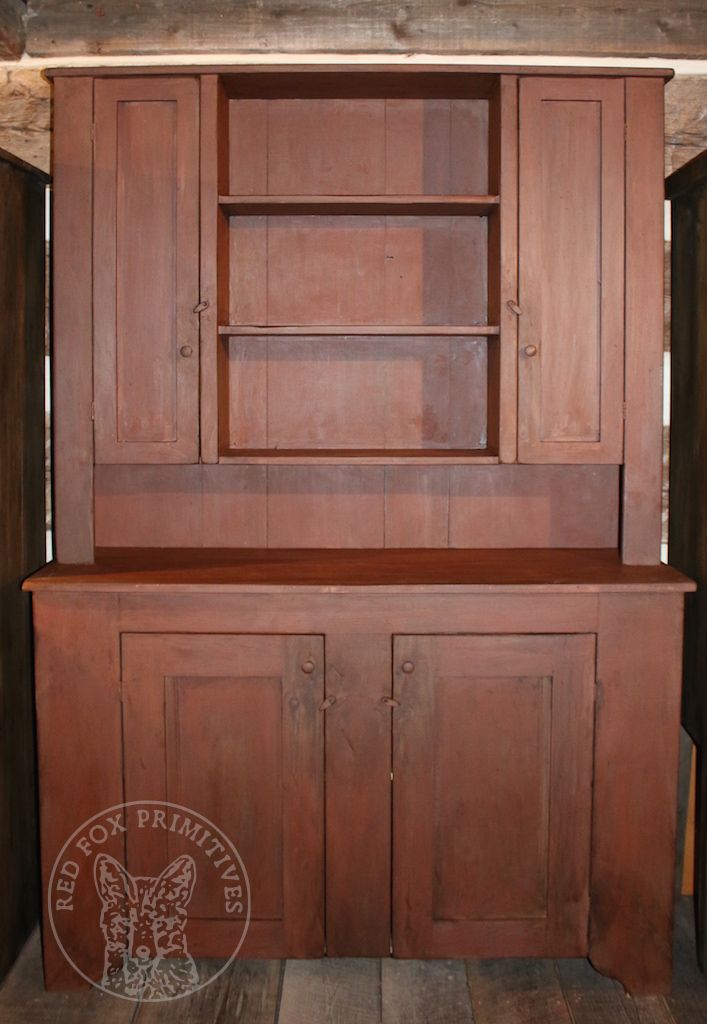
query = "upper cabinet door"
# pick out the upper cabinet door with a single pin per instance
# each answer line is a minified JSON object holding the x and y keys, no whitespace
{"x":571,"y":270}
{"x":146,"y":270}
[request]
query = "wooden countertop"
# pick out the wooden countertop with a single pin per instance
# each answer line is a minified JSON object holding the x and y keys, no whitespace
{"x":391,"y":569}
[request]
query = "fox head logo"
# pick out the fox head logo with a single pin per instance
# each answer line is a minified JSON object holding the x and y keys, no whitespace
{"x":143,"y":923}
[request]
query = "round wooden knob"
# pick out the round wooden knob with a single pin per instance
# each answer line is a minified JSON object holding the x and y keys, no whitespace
{"x":531,"y":350}
{"x":308,"y":666}
{"x":186,"y":351}
{"x":408,"y":667}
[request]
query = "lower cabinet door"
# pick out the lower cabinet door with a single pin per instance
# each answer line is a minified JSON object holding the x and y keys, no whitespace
{"x":492,"y":770}
{"x":229,"y":726}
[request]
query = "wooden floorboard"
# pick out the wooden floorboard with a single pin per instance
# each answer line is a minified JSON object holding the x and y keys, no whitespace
{"x":591,"y":998}
{"x":368,"y":991}
{"x":425,"y":992}
{"x":247,"y":992}
{"x":516,"y":992}
{"x":24,"y":1001}
{"x":688,"y":1003}
{"x":336,"y":991}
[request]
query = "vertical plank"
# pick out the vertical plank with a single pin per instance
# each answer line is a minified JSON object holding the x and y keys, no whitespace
{"x":429,"y":991}
{"x":635,"y":788}
{"x":77,"y":695}
{"x":332,"y":991}
{"x":213,"y":286}
{"x":358,"y":795}
{"x":325,"y":506}
{"x":234,"y":506}
{"x":417,"y":506}
{"x":643,"y":467}
{"x":73,"y":321}
{"x":507,"y":346}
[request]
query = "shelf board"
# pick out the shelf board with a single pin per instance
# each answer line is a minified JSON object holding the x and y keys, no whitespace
{"x":472,"y":206}
{"x":359,"y":456}
{"x":345,"y":330}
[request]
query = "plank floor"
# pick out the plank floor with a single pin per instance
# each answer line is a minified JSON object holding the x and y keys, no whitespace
{"x":381,"y":992}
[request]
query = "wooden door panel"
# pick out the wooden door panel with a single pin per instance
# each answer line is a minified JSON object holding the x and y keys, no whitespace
{"x":510,"y":774}
{"x":492,"y":793}
{"x":146,"y":270}
{"x":571,"y":271}
{"x":230,"y":726}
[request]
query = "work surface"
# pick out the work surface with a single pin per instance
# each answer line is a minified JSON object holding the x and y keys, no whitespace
{"x":547,"y":570}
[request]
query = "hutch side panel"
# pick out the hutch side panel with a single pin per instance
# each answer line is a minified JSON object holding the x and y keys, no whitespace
{"x":146,"y":270}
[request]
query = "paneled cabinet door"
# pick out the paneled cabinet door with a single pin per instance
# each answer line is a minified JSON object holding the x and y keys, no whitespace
{"x":146,"y":270}
{"x":492,"y":773}
{"x":571,"y":270}
{"x":230,"y":726}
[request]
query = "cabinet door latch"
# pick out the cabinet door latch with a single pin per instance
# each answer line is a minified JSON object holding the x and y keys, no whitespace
{"x":514,"y":307}
{"x":201,"y":306}
{"x":390,"y":702}
{"x":329,"y":702}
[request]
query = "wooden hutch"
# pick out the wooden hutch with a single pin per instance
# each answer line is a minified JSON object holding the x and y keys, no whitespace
{"x":357,"y":392}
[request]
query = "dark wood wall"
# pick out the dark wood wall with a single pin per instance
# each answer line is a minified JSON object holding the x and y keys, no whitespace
{"x":22,"y":534}
{"x":688,"y":467}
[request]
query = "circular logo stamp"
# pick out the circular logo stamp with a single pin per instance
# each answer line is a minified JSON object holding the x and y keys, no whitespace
{"x":132,"y":891}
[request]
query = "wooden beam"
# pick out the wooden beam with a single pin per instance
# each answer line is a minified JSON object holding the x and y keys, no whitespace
{"x":25,"y":115}
{"x":597,"y":27}
{"x":12,"y":29}
{"x":685,"y":120}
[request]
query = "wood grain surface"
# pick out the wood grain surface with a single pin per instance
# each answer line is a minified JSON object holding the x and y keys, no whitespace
{"x":22,"y":535}
{"x":513,"y":26}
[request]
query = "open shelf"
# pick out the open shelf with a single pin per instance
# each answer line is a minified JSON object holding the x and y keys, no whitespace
{"x":328,"y":330}
{"x":464,"y":205}
{"x":358,"y":244}
{"x":359,"y":456}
